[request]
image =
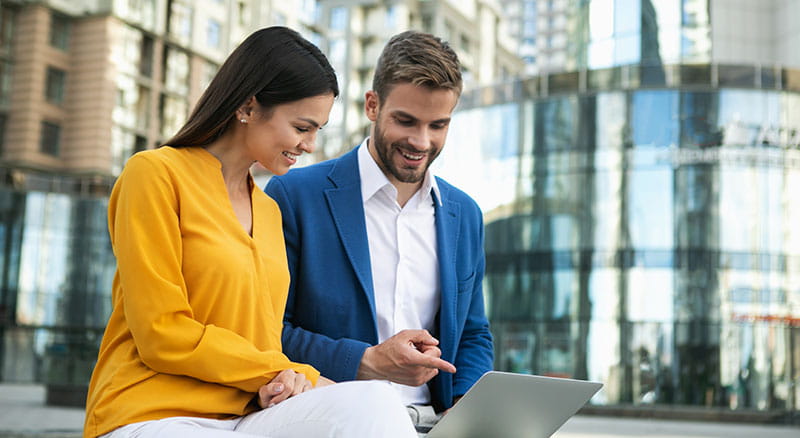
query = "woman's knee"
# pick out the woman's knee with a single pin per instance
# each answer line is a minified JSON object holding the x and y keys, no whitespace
{"x":375,"y":409}
{"x":373,"y":393}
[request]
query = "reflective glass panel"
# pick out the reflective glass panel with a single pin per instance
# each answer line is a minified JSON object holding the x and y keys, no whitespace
{"x":43,"y":258}
{"x":650,"y":208}
{"x":650,"y":295}
{"x":654,"y":118}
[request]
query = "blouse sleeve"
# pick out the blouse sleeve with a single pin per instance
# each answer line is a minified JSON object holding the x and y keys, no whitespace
{"x":146,"y":237}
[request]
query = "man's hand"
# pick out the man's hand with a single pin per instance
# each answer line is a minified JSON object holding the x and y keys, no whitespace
{"x":286,"y":384}
{"x":410,"y":357}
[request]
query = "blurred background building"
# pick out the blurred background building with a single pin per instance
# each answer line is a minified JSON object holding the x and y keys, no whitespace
{"x":639,"y":202}
{"x":634,"y":160}
{"x":355,"y":32}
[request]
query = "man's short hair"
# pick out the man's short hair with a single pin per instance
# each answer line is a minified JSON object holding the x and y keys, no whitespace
{"x":417,"y":58}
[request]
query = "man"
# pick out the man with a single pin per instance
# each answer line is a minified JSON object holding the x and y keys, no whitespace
{"x":387,"y":260}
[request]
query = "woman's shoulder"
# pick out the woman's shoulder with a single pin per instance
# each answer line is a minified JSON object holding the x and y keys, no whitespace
{"x":167,"y":157}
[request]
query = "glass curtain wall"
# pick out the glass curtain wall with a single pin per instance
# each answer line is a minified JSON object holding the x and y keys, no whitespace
{"x":642,"y":238}
{"x":55,"y":286}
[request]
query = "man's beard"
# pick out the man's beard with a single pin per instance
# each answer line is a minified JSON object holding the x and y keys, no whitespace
{"x":386,"y":163}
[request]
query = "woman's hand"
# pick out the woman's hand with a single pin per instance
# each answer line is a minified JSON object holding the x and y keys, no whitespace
{"x":286,"y":384}
{"x":324,"y":381}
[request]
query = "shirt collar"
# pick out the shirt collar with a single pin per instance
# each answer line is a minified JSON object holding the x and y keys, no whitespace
{"x":373,"y":179}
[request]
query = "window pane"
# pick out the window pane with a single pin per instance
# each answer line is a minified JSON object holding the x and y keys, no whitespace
{"x":126,"y":55}
{"x":2,"y":132}
{"x":736,"y":75}
{"x":5,"y":82}
{"x":627,"y":17}
{"x":556,"y":125}
{"x":209,"y":70}
{"x":59,"y":31}
{"x":50,"y":139}
{"x":791,"y":79}
{"x":180,"y":21}
{"x":339,"y":18}
{"x":172,"y":113}
{"x":140,"y":12}
{"x":213,"y":33}
{"x":54,"y":90}
{"x":176,"y":70}
{"x":146,"y":56}
{"x":611,"y":124}
{"x":6,"y":29}
{"x":698,"y":120}
{"x":122,"y":146}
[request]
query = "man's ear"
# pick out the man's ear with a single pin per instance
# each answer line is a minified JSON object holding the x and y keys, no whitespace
{"x":371,"y":105}
{"x":247,"y":109}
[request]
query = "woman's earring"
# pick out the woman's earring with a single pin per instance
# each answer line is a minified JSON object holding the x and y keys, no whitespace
{"x":243,"y":120}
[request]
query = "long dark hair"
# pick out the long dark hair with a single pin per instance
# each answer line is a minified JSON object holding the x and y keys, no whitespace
{"x":275,"y":64}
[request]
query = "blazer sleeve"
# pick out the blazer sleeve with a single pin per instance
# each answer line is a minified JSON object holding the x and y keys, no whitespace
{"x":146,"y":237}
{"x":336,"y":359}
{"x":475,"y":354}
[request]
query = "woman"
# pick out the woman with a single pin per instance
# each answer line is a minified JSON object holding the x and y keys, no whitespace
{"x":193,"y":345}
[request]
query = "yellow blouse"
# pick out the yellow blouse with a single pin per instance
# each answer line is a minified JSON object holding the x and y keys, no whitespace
{"x":198,"y":303}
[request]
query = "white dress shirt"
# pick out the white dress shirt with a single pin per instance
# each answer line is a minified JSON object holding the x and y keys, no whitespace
{"x":402,"y":248}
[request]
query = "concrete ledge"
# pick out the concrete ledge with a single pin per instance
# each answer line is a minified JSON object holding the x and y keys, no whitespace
{"x":694,"y":413}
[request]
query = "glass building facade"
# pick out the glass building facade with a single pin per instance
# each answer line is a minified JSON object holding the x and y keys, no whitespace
{"x":55,"y":294}
{"x":642,"y":229}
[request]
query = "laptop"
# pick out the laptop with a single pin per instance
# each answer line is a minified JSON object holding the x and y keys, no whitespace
{"x":509,"y":405}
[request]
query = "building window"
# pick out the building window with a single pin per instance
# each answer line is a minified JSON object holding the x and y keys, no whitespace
{"x":448,"y":31}
{"x":391,"y":17}
{"x":213,"y":33}
{"x":465,"y":43}
{"x":209,"y":70}
{"x":54,"y":89}
{"x":6,"y":29}
{"x":139,"y":144}
{"x":59,"y":31}
{"x":427,"y":23}
{"x":172,"y":113}
{"x":5,"y":82}
{"x":180,"y":20}
{"x":339,"y":18}
{"x":176,"y":70}
{"x":50,"y":139}
{"x":146,"y":57}
{"x":2,"y":132}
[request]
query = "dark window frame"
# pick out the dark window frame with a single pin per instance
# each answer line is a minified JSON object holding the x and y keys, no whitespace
{"x":55,"y":85}
{"x":60,"y":29}
{"x":50,"y":138}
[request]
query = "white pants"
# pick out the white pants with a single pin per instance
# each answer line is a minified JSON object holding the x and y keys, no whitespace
{"x":350,"y":409}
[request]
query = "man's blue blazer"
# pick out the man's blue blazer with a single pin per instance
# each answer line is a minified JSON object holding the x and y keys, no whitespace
{"x":330,"y":312}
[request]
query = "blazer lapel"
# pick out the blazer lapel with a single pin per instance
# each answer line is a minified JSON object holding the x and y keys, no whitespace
{"x":447,"y":219}
{"x":347,"y":209}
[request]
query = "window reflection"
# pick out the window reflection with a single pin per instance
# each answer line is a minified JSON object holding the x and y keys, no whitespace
{"x":655,"y":252}
{"x":650,"y":208}
{"x":655,"y":118}
{"x":176,"y":70}
{"x":43,"y":258}
{"x":59,"y":267}
{"x":140,"y":12}
{"x":555,"y":125}
{"x":179,"y":21}
{"x":172,"y":112}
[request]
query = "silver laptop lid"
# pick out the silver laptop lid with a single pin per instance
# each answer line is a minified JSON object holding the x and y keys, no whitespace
{"x":509,"y":405}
